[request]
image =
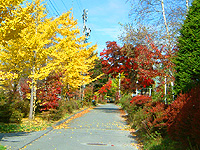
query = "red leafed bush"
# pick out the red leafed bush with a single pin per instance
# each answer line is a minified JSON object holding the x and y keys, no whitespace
{"x":49,"y":93}
{"x":155,"y":113}
{"x":184,"y":118}
{"x":140,"y":100}
{"x":157,"y":117}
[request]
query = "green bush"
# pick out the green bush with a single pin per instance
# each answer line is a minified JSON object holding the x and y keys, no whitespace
{"x":138,"y":119}
{"x":2,"y":147}
{"x":12,"y":108}
{"x":9,"y":114}
{"x":125,"y":101}
{"x":5,"y":113}
{"x":23,"y":106}
{"x":157,"y":142}
{"x":16,"y":116}
{"x":63,"y":108}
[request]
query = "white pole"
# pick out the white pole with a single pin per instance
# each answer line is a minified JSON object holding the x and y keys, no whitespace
{"x":172,"y":84}
{"x":150,"y":91}
{"x":165,"y":90}
{"x":119,"y":86}
{"x":136,"y":91}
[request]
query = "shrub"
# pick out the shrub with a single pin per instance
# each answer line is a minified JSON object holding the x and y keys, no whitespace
{"x":63,"y":108}
{"x":11,"y":108}
{"x":138,"y":119}
{"x":140,"y":100}
{"x":125,"y":101}
{"x":184,"y":118}
{"x":157,"y":117}
{"x":148,"y":115}
{"x":138,"y":115}
{"x":2,"y":147}
{"x":9,"y":114}
{"x":160,"y":143}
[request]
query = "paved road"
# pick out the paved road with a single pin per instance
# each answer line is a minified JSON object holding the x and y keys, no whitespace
{"x":99,"y":129}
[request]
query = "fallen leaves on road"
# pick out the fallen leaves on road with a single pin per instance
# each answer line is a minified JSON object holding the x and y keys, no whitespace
{"x":131,"y":130}
{"x":65,"y":124}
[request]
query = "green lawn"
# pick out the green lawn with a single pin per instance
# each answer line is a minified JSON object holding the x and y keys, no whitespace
{"x":2,"y":147}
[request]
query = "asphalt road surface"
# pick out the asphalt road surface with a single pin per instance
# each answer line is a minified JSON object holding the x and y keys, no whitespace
{"x":101,"y":128}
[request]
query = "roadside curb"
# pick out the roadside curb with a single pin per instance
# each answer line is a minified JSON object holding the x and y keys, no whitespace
{"x":49,"y":129}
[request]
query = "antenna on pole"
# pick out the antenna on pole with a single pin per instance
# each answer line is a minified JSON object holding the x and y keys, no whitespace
{"x":86,"y":30}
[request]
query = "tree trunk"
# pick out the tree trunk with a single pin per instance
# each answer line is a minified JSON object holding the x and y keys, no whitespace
{"x":165,"y":21}
{"x":33,"y":95}
{"x":187,"y":5}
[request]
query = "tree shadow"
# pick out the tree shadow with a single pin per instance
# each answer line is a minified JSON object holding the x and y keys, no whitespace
{"x":108,"y":110}
{"x":3,"y":136}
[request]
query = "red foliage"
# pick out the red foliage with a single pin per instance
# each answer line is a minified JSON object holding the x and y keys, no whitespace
{"x":135,"y":62}
{"x":146,"y":81}
{"x":115,"y":60}
{"x":106,"y":87}
{"x":95,"y":97}
{"x":141,"y":100}
{"x":70,"y":94}
{"x":158,"y":117}
{"x":24,"y":88}
{"x":49,"y":93}
{"x":184,"y":118}
{"x":181,"y":119}
{"x":155,"y":113}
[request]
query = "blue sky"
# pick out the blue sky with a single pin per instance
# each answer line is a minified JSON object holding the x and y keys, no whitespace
{"x":104,"y":17}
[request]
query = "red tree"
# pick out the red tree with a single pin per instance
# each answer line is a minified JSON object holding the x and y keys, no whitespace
{"x":136,"y":65}
{"x":50,"y":92}
{"x":104,"y":89}
{"x":141,"y":63}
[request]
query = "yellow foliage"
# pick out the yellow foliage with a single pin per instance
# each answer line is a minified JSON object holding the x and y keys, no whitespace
{"x":29,"y":41}
{"x":6,"y":77}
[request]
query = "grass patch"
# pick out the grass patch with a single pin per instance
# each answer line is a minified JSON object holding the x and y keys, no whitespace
{"x":2,"y":147}
{"x":26,"y":126}
{"x":157,"y":142}
{"x":160,"y":143}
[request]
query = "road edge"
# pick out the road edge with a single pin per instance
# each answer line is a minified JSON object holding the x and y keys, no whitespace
{"x":49,"y":129}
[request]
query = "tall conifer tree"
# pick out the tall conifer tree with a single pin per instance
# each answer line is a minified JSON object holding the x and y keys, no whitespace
{"x":188,"y":56}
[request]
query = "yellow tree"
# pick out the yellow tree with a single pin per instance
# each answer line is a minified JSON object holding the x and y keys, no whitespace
{"x":41,"y":46}
{"x":8,"y":24}
{"x":15,"y":19}
{"x":71,"y":56}
{"x":11,"y":16}
{"x":26,"y":53}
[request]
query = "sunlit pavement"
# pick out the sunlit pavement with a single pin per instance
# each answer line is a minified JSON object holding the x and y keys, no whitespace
{"x":101,"y":128}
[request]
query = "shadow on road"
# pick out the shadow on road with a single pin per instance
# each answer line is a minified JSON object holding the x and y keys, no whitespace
{"x":4,"y":135}
{"x":108,"y":110}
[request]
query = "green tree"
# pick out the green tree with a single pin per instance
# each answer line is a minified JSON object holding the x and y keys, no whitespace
{"x":188,"y":56}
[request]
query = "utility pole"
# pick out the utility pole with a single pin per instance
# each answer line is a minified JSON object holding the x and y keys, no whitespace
{"x":86,"y":32}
